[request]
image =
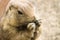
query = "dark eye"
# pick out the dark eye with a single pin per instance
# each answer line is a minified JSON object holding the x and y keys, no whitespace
{"x":20,"y":12}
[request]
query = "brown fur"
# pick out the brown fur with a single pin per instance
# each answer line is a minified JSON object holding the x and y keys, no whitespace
{"x":19,"y":23}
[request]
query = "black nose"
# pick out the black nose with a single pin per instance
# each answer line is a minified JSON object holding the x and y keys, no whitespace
{"x":37,"y":22}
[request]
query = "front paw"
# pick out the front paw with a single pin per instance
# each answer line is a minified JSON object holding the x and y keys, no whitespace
{"x":31,"y":26}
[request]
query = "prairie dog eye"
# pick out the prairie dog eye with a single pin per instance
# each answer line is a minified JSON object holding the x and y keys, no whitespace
{"x":19,"y":12}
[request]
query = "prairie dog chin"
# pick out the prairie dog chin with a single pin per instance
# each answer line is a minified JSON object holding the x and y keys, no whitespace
{"x":19,"y":21}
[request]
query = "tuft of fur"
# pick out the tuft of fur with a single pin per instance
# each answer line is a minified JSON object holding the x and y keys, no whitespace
{"x":19,"y":22}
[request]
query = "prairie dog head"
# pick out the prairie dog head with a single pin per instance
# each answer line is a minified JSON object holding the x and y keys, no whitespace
{"x":20,"y":14}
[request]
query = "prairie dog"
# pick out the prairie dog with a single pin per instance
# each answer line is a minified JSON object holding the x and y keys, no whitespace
{"x":19,"y":21}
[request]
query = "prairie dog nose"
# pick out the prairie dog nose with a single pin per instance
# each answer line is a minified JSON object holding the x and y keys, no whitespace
{"x":37,"y":22}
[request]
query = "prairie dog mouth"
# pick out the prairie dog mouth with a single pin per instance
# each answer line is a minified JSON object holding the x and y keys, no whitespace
{"x":24,"y":26}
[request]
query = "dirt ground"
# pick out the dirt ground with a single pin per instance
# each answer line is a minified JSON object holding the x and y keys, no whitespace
{"x":49,"y":13}
{"x":3,"y":4}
